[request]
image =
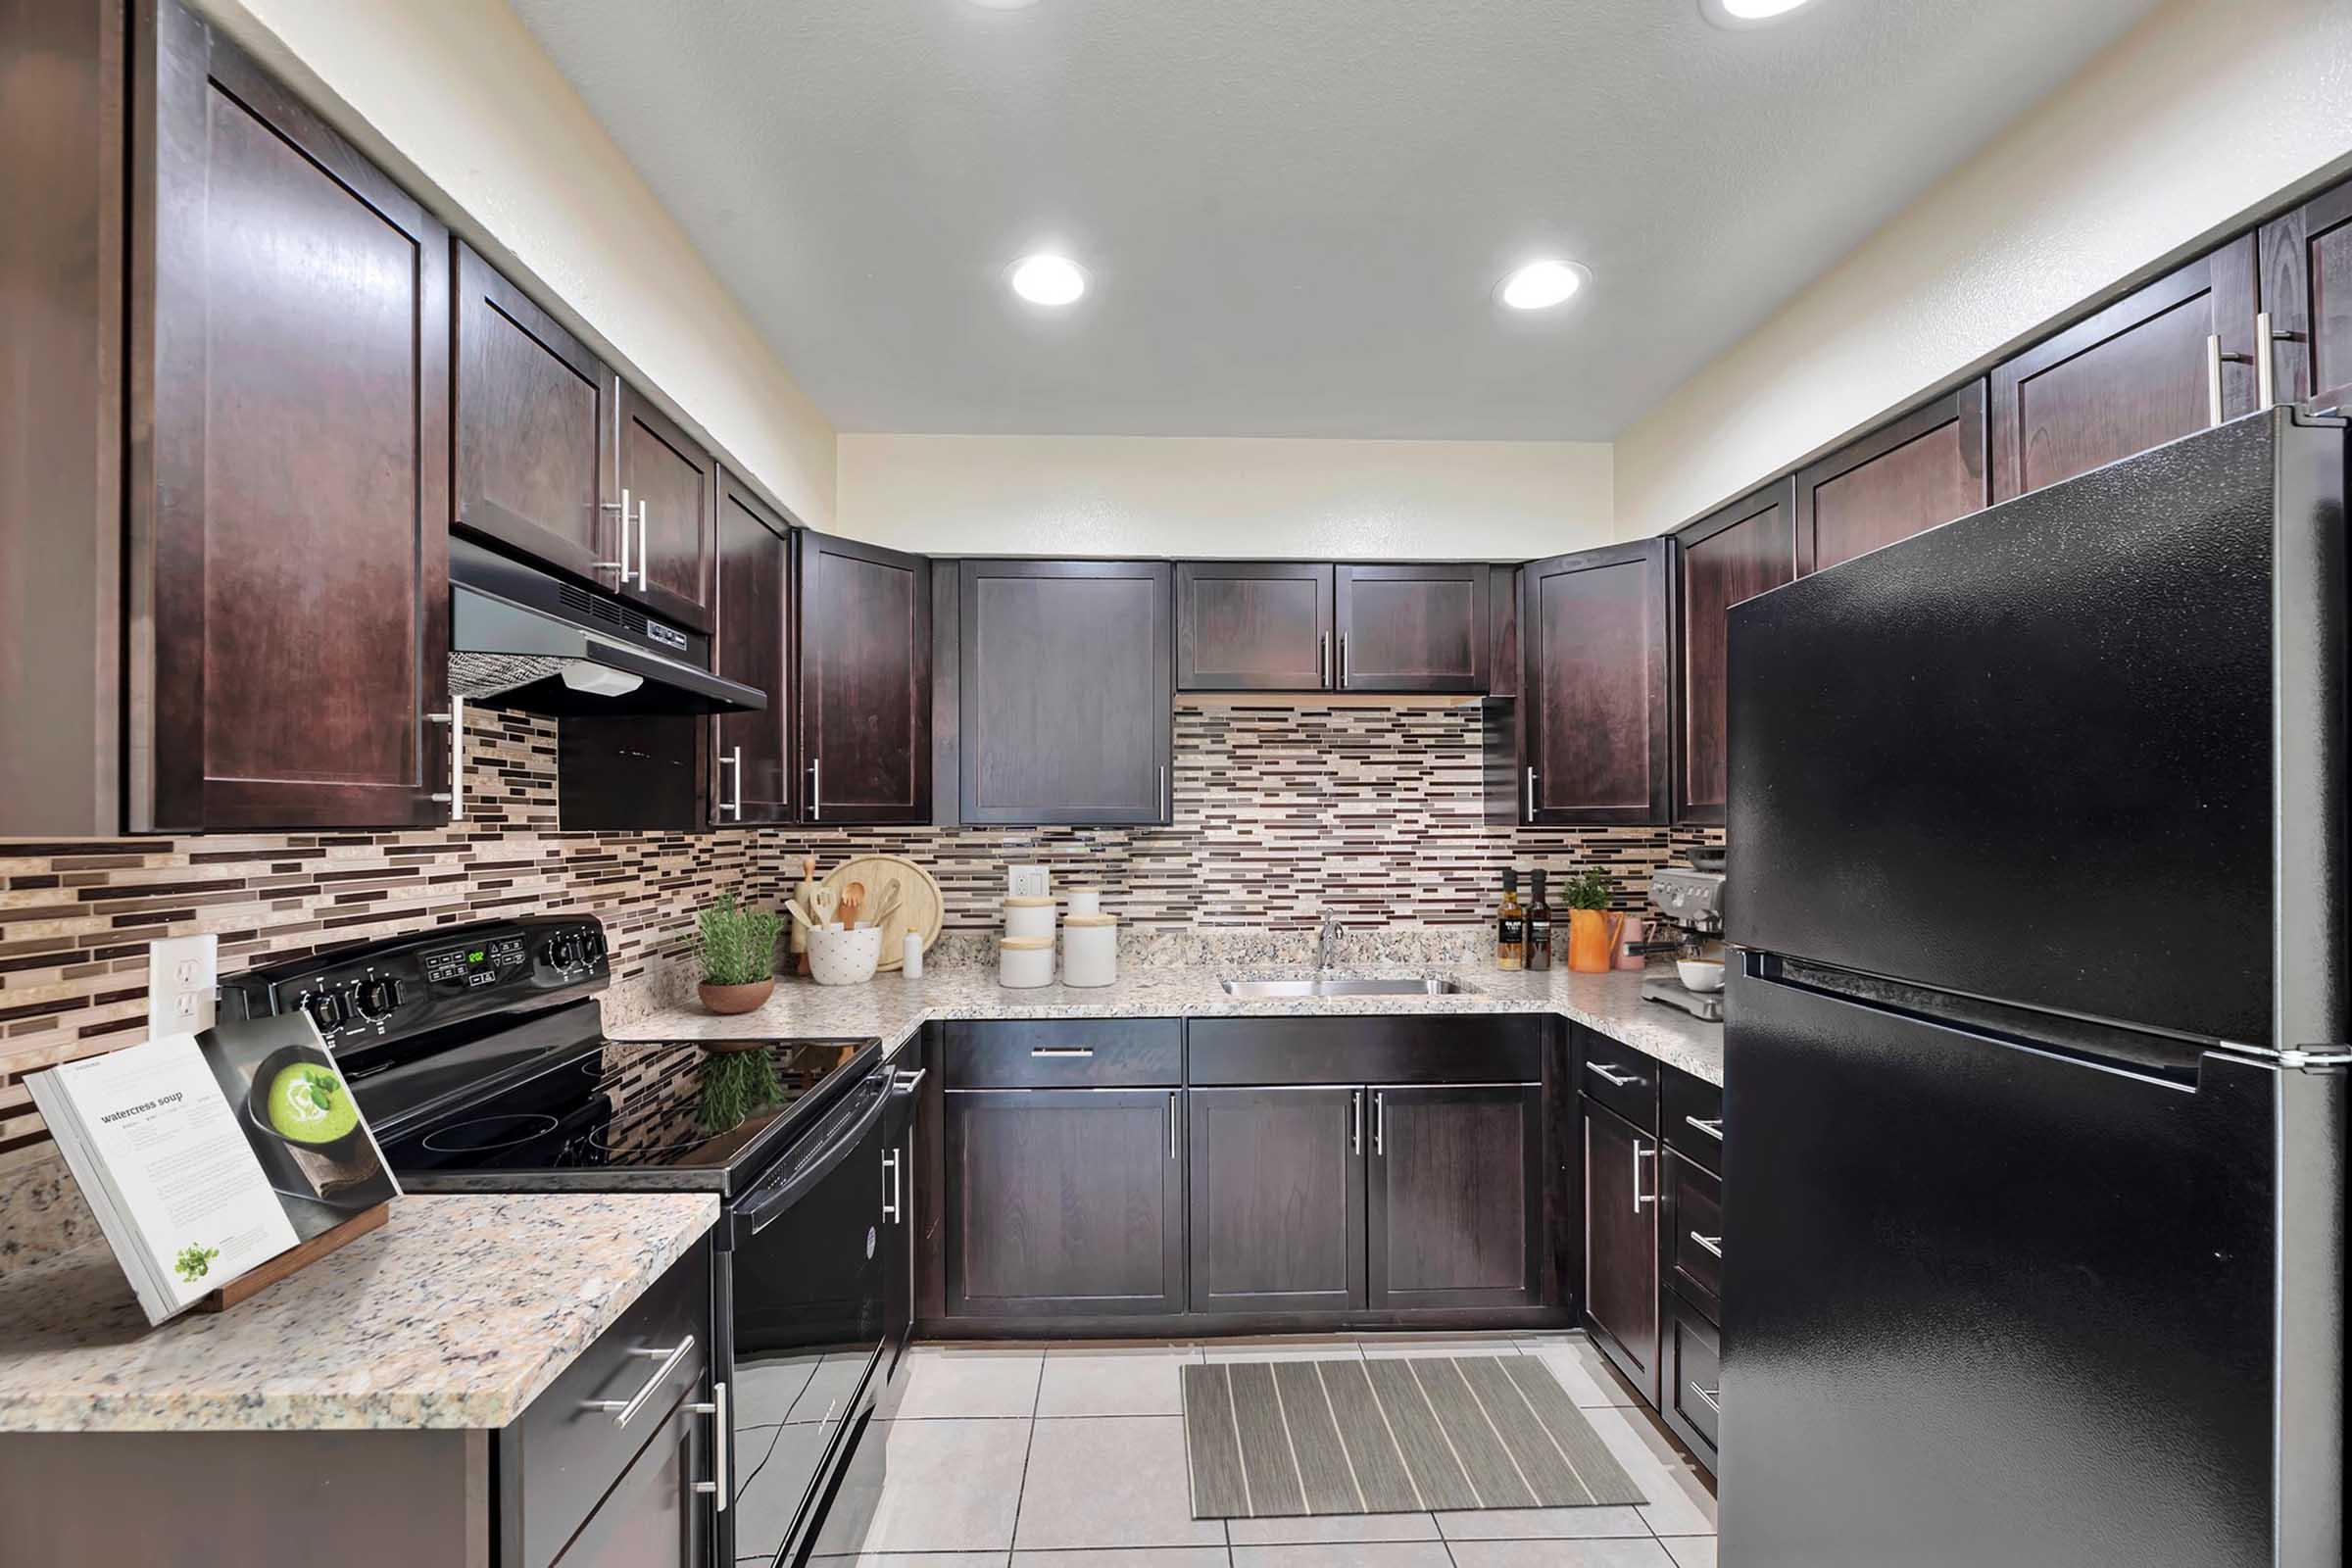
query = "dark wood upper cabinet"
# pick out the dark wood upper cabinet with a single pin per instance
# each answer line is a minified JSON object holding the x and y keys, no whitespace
{"x":1454,"y":1196}
{"x":2306,"y":266}
{"x":1066,"y":674}
{"x":2134,"y":376}
{"x":289,"y":460}
{"x":864,"y":624}
{"x":1925,"y":469}
{"x":1502,"y":612}
{"x":1745,"y":549}
{"x":752,"y":763}
{"x":1252,"y":626}
{"x":1622,"y":1169}
{"x":1411,"y":627}
{"x":669,"y":483}
{"x":534,"y":416}
{"x":1277,"y":1200}
{"x":1596,"y":742}
{"x":1064,"y":1201}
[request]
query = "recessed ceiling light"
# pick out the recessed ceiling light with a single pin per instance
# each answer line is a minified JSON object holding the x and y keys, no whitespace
{"x":1746,"y":12}
{"x":1048,"y":280}
{"x":1540,"y":285}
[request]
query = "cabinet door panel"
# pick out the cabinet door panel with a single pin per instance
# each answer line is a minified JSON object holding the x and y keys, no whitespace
{"x":1244,"y":626}
{"x":651,"y":1518}
{"x":1278,"y":1199}
{"x":1594,"y":626}
{"x":1064,"y":1201}
{"x":2306,"y":264}
{"x":1923,"y":469}
{"x":290,"y":473}
{"x":864,"y":627}
{"x":1067,"y":715}
{"x":752,"y":768}
{"x":669,"y":482}
{"x":534,"y":427}
{"x":2131,"y":377}
{"x":1411,"y":628}
{"x":1743,"y":550}
{"x":1456,"y":1184}
{"x":1621,"y":1246}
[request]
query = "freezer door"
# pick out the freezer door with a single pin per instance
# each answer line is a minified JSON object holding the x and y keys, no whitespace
{"x":2031,"y":754}
{"x":1987,"y":1301}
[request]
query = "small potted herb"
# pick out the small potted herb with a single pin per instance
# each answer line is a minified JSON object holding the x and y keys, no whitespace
{"x":1592,"y":926}
{"x":739,"y":956}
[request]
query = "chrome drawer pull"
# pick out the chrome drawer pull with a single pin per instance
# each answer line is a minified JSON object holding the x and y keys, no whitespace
{"x":1713,"y":1129}
{"x":1711,"y":1396}
{"x":721,"y":1435}
{"x":1171,"y":1124}
{"x":1061,"y":1050}
{"x":1640,"y":1196}
{"x":625,"y":1410}
{"x":1355,"y":1119}
{"x":907,"y":1082}
{"x":1610,"y":1075}
{"x":1713,"y":1243}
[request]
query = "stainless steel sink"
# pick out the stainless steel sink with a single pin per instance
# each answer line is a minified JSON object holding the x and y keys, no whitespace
{"x":1343,"y":987}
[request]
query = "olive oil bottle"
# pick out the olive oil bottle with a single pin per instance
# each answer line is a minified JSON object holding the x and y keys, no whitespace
{"x":1510,"y":925}
{"x":1539,"y":925}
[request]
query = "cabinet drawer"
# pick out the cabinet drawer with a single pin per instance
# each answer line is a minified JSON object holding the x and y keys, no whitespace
{"x":1619,"y":1077}
{"x":1694,"y":1369}
{"x":1064,"y":1054}
{"x":564,"y":1455}
{"x":1442,"y":1048}
{"x":1690,"y":1116}
{"x":1697,"y":1246}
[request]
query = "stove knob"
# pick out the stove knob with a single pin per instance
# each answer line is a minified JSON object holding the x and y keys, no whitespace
{"x":592,"y":945}
{"x":378,"y":998}
{"x":325,"y":1010}
{"x":560,"y":952}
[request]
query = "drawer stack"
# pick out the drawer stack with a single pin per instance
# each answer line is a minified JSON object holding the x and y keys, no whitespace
{"x":1691,"y":1285}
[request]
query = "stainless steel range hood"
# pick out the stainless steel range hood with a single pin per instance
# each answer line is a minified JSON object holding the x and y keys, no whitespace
{"x":520,"y":637}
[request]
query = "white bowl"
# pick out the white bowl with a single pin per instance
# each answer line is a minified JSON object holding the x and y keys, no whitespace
{"x":1700,"y":974}
{"x":838,"y":957}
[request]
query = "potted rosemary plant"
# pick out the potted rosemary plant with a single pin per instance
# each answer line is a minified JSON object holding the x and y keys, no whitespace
{"x":739,"y":956}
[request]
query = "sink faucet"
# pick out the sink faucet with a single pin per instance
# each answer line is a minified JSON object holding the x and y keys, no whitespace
{"x":1330,"y":930}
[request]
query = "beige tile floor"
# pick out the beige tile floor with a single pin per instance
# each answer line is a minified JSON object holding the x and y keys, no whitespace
{"x":1071,"y":1456}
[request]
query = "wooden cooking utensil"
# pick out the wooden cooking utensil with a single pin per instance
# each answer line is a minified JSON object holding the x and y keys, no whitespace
{"x":824,"y":903}
{"x":853,"y":899}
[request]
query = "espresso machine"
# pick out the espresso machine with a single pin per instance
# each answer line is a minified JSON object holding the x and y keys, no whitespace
{"x":1689,"y":899}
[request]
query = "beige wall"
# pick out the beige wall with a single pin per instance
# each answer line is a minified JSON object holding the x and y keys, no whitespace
{"x":1204,"y":496}
{"x":2189,"y":121}
{"x":459,"y":101}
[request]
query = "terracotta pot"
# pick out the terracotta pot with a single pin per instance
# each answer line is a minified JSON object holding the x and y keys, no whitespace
{"x":735,"y":998}
{"x":1593,"y":940}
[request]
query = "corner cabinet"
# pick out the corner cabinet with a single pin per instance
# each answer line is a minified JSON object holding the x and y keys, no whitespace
{"x":2306,"y":288}
{"x":1745,"y":549}
{"x":750,"y":767}
{"x":288,"y":488}
{"x":1066,"y":714}
{"x":862,"y":621}
{"x":1594,"y":737}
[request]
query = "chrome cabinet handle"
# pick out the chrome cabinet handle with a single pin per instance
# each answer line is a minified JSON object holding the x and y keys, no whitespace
{"x":1531,"y":794}
{"x":1167,"y":796}
{"x":1610,"y":1075}
{"x":734,"y":759}
{"x":1640,"y":1196}
{"x":1380,"y":1121}
{"x":1061,"y":1050}
{"x":1323,"y":659}
{"x":644,"y":548}
{"x":623,"y":564}
{"x":816,"y":789}
{"x":1343,"y":661}
{"x":1355,"y":1122}
{"x":625,"y":1410}
{"x":890,"y":1185}
{"x":2214,"y":360}
{"x":1171,"y":1124}
{"x":1713,"y":1129}
{"x":1711,"y":1396}
{"x":722,"y":1436}
{"x":906,"y":1083}
{"x":455,"y":794}
{"x":2266,"y":360}
{"x":1713,"y":1243}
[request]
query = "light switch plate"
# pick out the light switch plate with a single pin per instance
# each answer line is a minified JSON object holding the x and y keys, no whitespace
{"x":1027,"y":881}
{"x":182,"y":973}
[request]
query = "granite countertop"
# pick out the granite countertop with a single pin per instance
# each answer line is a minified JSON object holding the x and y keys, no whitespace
{"x":894,"y":1007}
{"x":458,"y":1313}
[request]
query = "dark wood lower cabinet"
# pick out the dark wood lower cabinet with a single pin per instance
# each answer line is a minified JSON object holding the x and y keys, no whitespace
{"x":1064,"y":1201}
{"x":652,"y":1517}
{"x":1620,"y":1245}
{"x":1455,"y":1197}
{"x":1278,"y":1199}
{"x":1693,"y":1383}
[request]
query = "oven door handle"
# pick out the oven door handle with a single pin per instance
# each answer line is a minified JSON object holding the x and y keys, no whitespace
{"x":759,"y":1207}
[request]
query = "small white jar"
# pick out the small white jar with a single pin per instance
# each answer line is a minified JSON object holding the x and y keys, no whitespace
{"x":1086,"y":900}
{"x":1090,"y":950}
{"x":1029,"y":917}
{"x":1024,"y":964}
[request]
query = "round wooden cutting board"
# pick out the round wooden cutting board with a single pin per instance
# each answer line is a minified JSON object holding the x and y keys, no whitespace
{"x":920,"y":906}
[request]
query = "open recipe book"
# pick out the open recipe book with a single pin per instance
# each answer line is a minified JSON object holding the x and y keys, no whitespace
{"x":205,"y":1156}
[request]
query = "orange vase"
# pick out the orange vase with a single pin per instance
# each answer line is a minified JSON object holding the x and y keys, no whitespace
{"x":1593,"y":940}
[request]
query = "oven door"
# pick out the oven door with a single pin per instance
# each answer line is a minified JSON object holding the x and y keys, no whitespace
{"x":804,"y":1303}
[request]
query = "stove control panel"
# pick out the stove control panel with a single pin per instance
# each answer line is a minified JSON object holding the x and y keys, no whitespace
{"x":385,"y":991}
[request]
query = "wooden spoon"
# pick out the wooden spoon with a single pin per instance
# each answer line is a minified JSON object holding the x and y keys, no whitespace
{"x":853,"y":899}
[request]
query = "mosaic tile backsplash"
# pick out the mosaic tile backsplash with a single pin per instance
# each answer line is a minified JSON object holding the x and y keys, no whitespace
{"x":1283,"y":813}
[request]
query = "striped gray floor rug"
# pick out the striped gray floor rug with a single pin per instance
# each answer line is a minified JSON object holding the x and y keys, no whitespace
{"x":1270,"y":1440}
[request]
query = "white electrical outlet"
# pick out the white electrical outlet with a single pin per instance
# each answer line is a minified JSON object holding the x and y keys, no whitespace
{"x":1028,"y":881}
{"x":182,"y":973}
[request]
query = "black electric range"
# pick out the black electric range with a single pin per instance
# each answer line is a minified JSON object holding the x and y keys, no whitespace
{"x":479,"y":1057}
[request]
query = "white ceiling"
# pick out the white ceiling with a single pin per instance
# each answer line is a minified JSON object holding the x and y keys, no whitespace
{"x":1293,"y":212}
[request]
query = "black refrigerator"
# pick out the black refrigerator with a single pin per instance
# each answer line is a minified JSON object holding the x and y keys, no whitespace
{"x":2034,"y":1044}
